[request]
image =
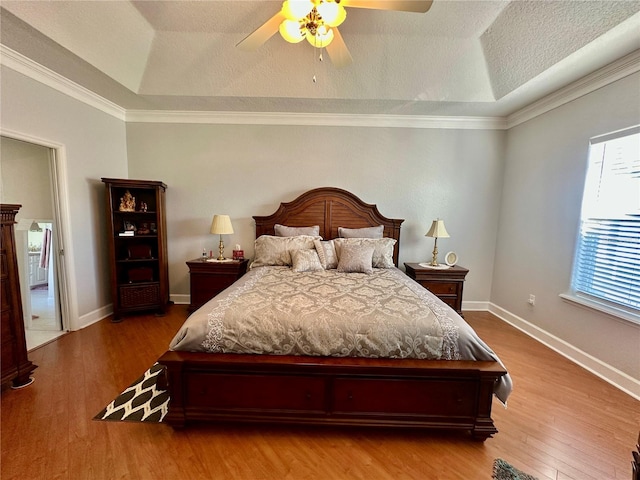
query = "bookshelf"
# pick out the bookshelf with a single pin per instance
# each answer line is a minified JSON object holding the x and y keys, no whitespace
{"x":137,"y":233}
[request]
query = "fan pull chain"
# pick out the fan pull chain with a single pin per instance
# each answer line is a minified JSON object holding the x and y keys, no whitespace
{"x":314,"y":60}
{"x":320,"y":58}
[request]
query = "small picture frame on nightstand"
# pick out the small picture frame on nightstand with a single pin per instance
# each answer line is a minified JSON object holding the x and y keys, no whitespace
{"x":451,"y":258}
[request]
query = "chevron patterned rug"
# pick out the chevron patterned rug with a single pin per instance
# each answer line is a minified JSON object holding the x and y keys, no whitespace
{"x":143,"y":401}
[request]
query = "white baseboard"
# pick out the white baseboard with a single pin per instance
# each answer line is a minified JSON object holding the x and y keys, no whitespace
{"x":475,"y":306}
{"x":95,"y":316}
{"x":103,"y":312}
{"x":180,"y":299}
{"x":612,"y":375}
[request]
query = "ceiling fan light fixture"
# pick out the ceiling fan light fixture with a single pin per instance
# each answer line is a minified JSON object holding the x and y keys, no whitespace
{"x":332,"y":13}
{"x":290,"y":30}
{"x":297,"y":9}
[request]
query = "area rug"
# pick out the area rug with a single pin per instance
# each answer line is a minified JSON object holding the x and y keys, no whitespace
{"x":143,"y":401}
{"x":504,"y":471}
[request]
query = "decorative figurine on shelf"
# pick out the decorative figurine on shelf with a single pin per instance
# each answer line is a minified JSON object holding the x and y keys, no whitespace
{"x":143,"y":229}
{"x":143,"y":206}
{"x":127,"y":202}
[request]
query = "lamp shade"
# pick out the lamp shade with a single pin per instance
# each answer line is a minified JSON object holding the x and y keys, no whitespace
{"x":437,"y":230}
{"x":35,"y":227}
{"x":221,"y":225}
{"x":296,"y":9}
{"x":322,"y":38}
{"x":290,"y":31}
{"x":332,"y":13}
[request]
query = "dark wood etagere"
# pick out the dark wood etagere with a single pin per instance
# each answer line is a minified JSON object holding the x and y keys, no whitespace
{"x":15,"y":364}
{"x":137,"y":245}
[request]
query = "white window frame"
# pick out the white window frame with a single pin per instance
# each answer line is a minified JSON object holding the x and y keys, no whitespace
{"x":575,"y":294}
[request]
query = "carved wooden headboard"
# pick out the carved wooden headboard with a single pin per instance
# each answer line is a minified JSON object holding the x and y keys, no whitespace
{"x":329,"y":208}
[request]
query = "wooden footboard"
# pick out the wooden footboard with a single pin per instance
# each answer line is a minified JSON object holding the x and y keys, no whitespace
{"x":337,"y":391}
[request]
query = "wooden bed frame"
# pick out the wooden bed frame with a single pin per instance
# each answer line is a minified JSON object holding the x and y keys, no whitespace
{"x":440,"y":394}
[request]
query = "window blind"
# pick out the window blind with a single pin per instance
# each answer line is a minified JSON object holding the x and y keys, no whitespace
{"x":607,"y":263}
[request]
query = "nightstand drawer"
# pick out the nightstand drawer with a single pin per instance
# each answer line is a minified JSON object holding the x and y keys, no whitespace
{"x":441,"y":288}
{"x":451,"y":301}
{"x":208,"y":279}
{"x":446,"y":284}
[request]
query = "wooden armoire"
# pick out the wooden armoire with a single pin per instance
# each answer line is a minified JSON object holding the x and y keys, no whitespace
{"x":15,"y":365}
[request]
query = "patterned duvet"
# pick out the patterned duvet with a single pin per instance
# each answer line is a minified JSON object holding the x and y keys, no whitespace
{"x":273,"y":310}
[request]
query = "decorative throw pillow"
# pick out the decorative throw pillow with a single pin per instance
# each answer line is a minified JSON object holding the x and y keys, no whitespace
{"x":356,"y":259}
{"x":305,"y":261}
{"x":382,"y":253}
{"x":285,"y":231}
{"x":327,"y":253}
{"x":276,"y":251}
{"x":369,"y":232}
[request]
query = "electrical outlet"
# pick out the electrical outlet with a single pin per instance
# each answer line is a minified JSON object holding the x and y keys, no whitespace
{"x":532,"y":299}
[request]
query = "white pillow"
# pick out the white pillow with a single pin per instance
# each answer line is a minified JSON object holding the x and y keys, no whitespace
{"x":276,"y":251}
{"x":368,"y":232}
{"x":305,"y":261}
{"x":356,"y":259}
{"x":382,"y":253}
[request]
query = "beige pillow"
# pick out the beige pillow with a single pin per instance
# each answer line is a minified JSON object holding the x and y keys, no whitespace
{"x":276,"y":251}
{"x":305,"y":261}
{"x":382,"y":253}
{"x":356,"y":259}
{"x":368,"y":232}
{"x":327,"y":253}
{"x":285,"y":231}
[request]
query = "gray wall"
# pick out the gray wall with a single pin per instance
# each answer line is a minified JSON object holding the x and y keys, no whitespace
{"x":546,"y":161}
{"x":94,"y":146}
{"x":415,"y":174}
{"x":23,"y":163}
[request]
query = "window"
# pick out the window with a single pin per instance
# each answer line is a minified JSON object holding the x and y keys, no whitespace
{"x":607,"y":264}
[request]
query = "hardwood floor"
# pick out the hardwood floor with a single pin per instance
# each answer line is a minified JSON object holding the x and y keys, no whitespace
{"x":561,"y":422}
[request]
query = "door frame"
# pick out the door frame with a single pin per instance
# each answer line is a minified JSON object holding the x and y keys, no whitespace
{"x":64,"y":259}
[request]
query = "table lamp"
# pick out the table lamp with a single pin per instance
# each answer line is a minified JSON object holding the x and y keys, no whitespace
{"x":221,"y":225}
{"x":436,"y":231}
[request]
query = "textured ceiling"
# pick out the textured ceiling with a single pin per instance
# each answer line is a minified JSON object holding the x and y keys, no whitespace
{"x":478,"y":57}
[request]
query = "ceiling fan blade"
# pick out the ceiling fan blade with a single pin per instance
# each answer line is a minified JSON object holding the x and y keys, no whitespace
{"x":417,"y":6}
{"x":263,"y":33}
{"x":338,"y":51}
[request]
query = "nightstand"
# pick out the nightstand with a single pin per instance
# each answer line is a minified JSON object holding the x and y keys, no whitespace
{"x":446,"y":284}
{"x":207,"y":279}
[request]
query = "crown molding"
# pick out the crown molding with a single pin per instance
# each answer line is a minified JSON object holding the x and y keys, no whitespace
{"x":316,"y":119}
{"x":24,"y":65}
{"x":619,"y":69}
{"x":625,"y":66}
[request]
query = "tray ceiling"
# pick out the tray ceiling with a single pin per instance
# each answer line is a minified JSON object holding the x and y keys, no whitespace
{"x":475,"y":58}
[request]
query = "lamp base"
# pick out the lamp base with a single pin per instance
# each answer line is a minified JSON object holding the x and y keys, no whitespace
{"x":221,"y":249}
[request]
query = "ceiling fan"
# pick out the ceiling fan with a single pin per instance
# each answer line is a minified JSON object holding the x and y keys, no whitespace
{"x":317,"y":21}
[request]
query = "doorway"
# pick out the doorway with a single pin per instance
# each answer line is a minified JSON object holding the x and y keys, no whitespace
{"x":43,"y":322}
{"x":27,"y":180}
